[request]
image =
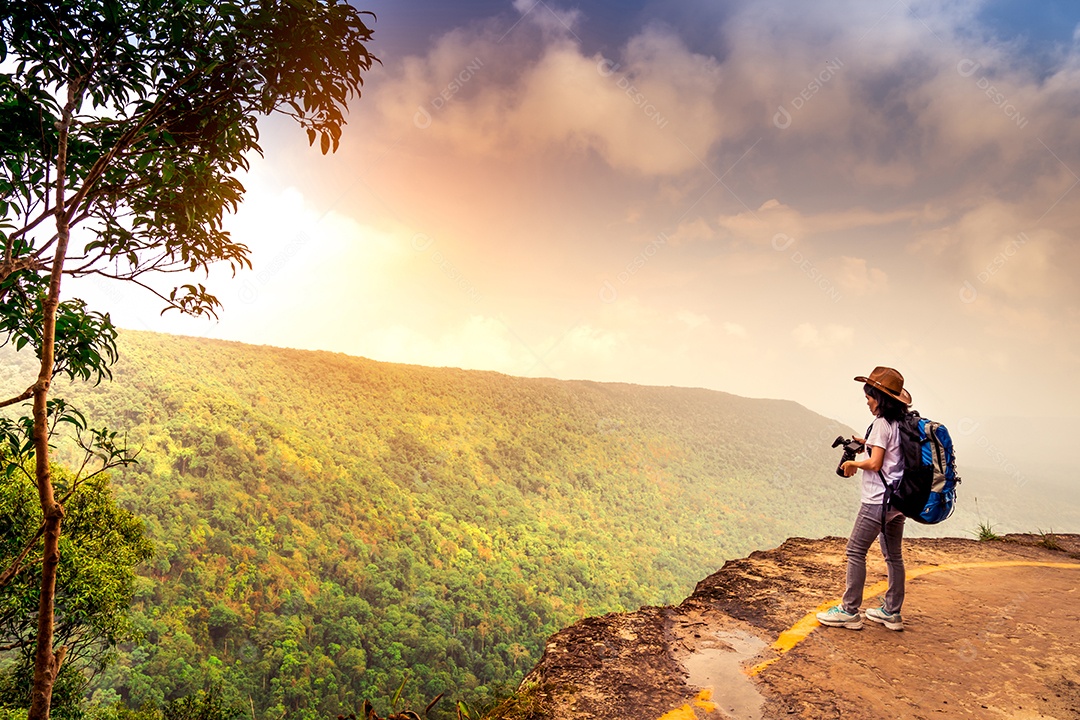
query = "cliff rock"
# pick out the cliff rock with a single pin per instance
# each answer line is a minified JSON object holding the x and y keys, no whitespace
{"x":990,"y":632}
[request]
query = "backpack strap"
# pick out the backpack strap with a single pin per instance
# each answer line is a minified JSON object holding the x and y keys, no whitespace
{"x":888,"y":488}
{"x":905,"y":427}
{"x":885,"y":502}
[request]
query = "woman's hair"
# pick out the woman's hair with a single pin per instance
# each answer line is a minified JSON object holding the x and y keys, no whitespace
{"x":888,"y":407}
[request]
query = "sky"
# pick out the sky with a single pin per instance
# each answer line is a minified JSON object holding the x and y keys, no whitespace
{"x":764,"y":197}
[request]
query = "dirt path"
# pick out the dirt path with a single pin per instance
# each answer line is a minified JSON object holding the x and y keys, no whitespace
{"x":983,"y":642}
{"x":992,"y":630}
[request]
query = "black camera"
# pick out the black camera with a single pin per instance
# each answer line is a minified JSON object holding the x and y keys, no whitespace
{"x":852,"y":448}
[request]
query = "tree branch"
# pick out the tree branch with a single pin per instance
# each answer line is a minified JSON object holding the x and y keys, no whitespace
{"x":25,"y":395}
{"x":16,"y":564}
{"x":102,"y":163}
{"x":45,"y":215}
{"x":10,"y":267}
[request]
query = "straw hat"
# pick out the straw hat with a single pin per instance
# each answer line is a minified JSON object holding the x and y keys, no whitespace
{"x":888,"y":381}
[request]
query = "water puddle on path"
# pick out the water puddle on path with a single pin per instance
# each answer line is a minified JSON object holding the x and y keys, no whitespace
{"x":720,"y":668}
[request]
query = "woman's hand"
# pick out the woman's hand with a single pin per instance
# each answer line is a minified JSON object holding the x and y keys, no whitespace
{"x":849,"y":467}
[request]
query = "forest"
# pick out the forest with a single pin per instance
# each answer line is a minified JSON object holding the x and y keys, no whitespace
{"x":327,"y":529}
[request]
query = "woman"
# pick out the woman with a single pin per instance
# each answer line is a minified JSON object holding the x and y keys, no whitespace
{"x":888,"y":402}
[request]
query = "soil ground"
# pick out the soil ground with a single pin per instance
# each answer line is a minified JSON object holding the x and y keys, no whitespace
{"x":980,"y":641}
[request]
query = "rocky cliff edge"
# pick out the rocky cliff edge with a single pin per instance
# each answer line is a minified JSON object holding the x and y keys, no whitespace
{"x":991,"y":631}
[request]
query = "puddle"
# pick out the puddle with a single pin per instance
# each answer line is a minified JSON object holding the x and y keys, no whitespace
{"x":720,"y":669}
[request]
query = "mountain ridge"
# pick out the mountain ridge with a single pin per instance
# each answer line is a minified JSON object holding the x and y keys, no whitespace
{"x":329,"y":526}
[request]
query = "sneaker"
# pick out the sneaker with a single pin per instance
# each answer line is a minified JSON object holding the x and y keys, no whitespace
{"x":893,"y":621}
{"x":836,"y":616}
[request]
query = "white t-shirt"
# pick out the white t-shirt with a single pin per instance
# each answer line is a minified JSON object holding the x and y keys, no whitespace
{"x":883,"y":434}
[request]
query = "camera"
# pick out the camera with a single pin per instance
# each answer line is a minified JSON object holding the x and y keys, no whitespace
{"x":852,"y":448}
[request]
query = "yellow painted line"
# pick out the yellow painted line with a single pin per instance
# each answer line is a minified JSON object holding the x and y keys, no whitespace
{"x":802,"y":629}
{"x":686,"y":712}
{"x":808,"y":623}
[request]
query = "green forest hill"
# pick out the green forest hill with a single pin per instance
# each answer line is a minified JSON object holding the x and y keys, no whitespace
{"x":327,"y":527}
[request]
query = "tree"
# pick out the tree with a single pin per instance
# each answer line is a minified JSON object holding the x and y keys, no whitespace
{"x":102,"y":545}
{"x":126,"y":121}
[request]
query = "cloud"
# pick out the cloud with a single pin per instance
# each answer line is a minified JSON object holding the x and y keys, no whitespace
{"x":547,"y":16}
{"x":903,"y":98}
{"x":655,"y":110}
{"x":594,"y":343}
{"x":900,"y":97}
{"x":547,"y":169}
{"x":482,"y":342}
{"x":734,"y":329}
{"x":855,"y":276}
{"x":830,"y":338}
{"x":653,"y":113}
{"x":477,"y":342}
{"x":999,"y":249}
{"x":779,"y":225}
{"x":692,"y":320}
{"x":691,"y":231}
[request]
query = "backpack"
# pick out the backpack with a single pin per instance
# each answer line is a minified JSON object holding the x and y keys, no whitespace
{"x":927,"y":491}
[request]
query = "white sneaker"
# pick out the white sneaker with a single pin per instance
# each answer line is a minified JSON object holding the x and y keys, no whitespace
{"x":893,"y":621}
{"x":837,"y":616}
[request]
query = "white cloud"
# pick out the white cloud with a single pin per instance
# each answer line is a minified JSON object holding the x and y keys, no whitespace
{"x":477,"y":342}
{"x":1001,"y":252}
{"x":690,"y":231}
{"x":782,"y":226}
{"x":856,"y":276}
{"x":692,"y":320}
{"x":734,"y":329}
{"x":656,"y":110}
{"x":544,"y":172}
{"x":593,"y":343}
{"x":876,"y":101}
{"x":830,"y":338}
{"x":547,"y":16}
{"x":654,"y":113}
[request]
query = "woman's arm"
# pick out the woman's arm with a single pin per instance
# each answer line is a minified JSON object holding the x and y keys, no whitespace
{"x":877,"y":456}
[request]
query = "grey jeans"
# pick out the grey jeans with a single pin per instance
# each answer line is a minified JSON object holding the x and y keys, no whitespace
{"x":867,"y":527}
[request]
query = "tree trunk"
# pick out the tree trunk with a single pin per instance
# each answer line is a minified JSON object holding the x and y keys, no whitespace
{"x":47,"y":662}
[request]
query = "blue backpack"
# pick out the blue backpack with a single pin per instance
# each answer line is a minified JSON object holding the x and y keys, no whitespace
{"x":927,"y":491}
